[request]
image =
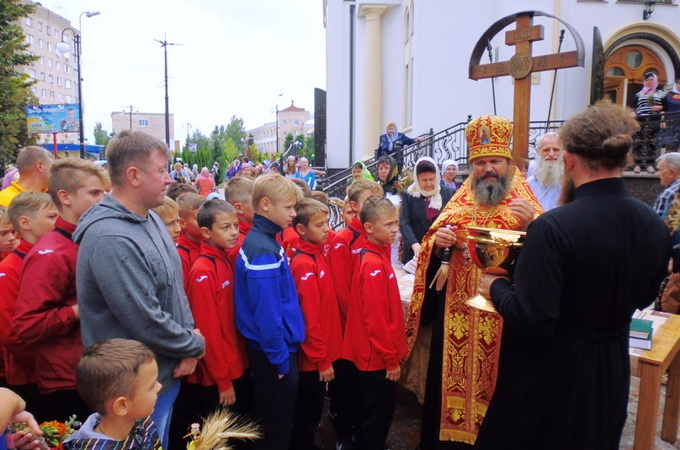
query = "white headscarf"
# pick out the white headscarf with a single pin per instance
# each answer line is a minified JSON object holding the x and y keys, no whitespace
{"x":447,"y":163}
{"x":434,"y":194}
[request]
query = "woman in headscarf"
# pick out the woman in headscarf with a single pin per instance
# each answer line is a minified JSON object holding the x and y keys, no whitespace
{"x":449,"y":172}
{"x":421,"y":204}
{"x":306,"y":173}
{"x":393,"y":140}
{"x":388,"y":174}
{"x":671,"y":108}
{"x":234,"y":169}
{"x":359,"y":171}
{"x":648,"y":113}
{"x":205,"y":182}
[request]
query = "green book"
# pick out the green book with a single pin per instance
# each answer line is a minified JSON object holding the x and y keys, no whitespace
{"x":641,"y":329}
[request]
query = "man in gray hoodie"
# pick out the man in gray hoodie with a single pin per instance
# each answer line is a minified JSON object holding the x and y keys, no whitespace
{"x":129,"y":275}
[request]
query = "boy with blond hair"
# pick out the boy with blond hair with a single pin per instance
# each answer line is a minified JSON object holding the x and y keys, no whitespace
{"x":7,"y":234}
{"x":344,"y":248}
{"x":323,"y":337}
{"x":377,"y":342}
{"x":46,"y":314}
{"x":189,"y":241}
{"x":32,"y":214}
{"x":118,"y":379}
{"x":219,"y":378}
{"x":268,"y":311}
{"x":169,"y":213}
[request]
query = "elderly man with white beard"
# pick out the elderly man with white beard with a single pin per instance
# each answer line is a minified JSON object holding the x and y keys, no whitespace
{"x":546,"y":182}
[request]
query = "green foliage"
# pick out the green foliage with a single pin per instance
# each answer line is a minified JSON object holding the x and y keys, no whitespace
{"x":101,"y":136}
{"x":15,"y":87}
{"x":237,"y":132}
{"x":287,"y":141}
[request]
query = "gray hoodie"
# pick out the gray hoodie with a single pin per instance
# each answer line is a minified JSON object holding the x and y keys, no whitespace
{"x":129,"y":284}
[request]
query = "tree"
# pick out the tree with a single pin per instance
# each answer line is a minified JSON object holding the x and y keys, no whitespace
{"x":15,"y":87}
{"x":237,"y":132}
{"x":289,"y":140}
{"x":101,"y":136}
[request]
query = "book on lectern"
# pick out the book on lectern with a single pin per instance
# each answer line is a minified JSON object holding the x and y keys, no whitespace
{"x":640,"y":335}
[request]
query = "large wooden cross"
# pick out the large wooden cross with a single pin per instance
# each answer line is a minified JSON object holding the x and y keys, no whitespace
{"x":521,"y":66}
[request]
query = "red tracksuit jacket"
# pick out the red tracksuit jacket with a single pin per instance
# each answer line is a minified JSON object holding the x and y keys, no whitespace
{"x":44,"y":315}
{"x":188,"y":252}
{"x":375,"y":316}
{"x":18,"y":357}
{"x":314,"y":284}
{"x":343,"y":251}
{"x":211,"y":298}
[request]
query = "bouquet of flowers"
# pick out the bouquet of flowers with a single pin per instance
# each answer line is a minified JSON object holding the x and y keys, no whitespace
{"x":54,"y":432}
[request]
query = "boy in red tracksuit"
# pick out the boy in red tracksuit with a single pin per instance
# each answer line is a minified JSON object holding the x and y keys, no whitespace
{"x":219,"y":378}
{"x":32,"y":214}
{"x":239,"y":192}
{"x":347,"y":243}
{"x":323,"y":337}
{"x":7,"y":234}
{"x":189,"y":241}
{"x":377,"y":342}
{"x":46,"y":314}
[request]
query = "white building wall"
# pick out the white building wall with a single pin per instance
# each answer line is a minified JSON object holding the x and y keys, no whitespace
{"x":445,"y":34}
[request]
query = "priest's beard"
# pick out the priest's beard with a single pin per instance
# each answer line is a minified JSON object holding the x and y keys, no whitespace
{"x":549,"y":173}
{"x":568,"y":189}
{"x":490,"y":193}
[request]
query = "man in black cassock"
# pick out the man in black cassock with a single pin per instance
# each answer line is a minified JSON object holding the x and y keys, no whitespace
{"x":564,"y":370}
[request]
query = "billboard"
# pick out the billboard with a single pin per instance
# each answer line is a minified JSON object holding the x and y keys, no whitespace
{"x":53,"y":118}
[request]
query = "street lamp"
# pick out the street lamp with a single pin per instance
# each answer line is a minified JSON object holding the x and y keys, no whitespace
{"x":62,"y":49}
{"x":277,"y":123}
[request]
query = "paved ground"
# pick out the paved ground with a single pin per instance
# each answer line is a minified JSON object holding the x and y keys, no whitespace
{"x":405,"y":429}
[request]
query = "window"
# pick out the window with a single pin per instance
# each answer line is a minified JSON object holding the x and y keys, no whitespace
{"x":285,"y":122}
{"x":58,"y":81}
{"x":34,"y":89}
{"x":39,"y":26}
{"x":67,"y":84}
{"x":67,"y":68}
{"x":43,"y":93}
{"x":29,"y":39}
{"x":41,"y":43}
{"x":297,"y":122}
{"x":31,"y":73}
{"x":143,"y":122}
{"x":52,"y":95}
{"x":29,"y":21}
{"x":49,"y":62}
{"x":50,"y":78}
{"x":58,"y":63}
{"x":59,"y":97}
{"x":42,"y":60}
{"x":49,"y":46}
{"x":42,"y":76}
{"x":48,"y":30}
{"x":615,"y":72}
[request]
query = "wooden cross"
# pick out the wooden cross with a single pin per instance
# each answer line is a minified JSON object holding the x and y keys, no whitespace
{"x":521,"y":66}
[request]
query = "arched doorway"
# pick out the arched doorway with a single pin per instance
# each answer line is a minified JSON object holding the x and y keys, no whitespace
{"x":624,"y":72}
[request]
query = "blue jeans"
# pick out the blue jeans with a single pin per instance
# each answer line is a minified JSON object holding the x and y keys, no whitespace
{"x":163,"y":411}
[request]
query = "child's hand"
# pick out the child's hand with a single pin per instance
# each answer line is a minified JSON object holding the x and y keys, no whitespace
{"x":327,"y":375}
{"x":228,"y":397}
{"x":394,"y":374}
{"x":186,"y":367}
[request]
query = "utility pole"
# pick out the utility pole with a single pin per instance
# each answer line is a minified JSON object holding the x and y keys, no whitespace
{"x":164,"y":43}
{"x":130,"y":106}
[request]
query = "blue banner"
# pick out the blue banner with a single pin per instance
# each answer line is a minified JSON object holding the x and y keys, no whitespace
{"x":53,"y":118}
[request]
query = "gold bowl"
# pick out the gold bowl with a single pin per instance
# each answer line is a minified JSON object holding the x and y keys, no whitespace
{"x":495,"y":251}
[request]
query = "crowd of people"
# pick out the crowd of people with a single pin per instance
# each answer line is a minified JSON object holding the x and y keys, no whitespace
{"x":139,"y":301}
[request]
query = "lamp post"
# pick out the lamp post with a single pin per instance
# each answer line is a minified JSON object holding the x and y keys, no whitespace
{"x":62,"y":48}
{"x":277,"y":123}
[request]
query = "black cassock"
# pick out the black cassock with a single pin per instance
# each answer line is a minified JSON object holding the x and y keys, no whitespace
{"x":564,"y":369}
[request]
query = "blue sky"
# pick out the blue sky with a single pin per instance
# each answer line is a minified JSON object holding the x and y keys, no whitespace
{"x":235,"y":58}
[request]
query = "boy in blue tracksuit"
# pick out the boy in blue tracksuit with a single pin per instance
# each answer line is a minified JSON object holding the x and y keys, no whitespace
{"x":268,"y":312}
